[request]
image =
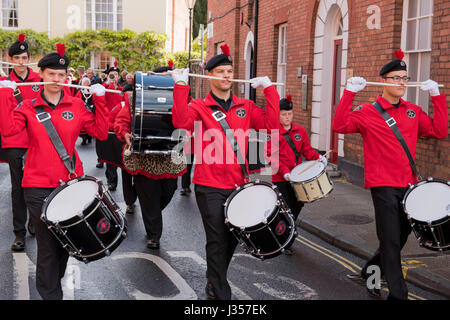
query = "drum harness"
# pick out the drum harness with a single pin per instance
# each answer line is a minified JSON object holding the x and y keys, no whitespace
{"x":292,"y":145}
{"x":219,"y":116}
{"x":44,"y":117}
{"x":393,"y":125}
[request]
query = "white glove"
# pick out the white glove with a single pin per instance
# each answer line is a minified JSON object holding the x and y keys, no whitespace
{"x":97,"y":89}
{"x":181,"y":75}
{"x":323,"y":160}
{"x":261,"y":82}
{"x":356,"y":84}
{"x":287,"y":176}
{"x":430,"y":86}
{"x":8,"y":84}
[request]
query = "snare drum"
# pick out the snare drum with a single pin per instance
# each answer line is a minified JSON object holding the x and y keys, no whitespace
{"x":259,"y":218}
{"x":427,"y":204}
{"x":310,"y":181}
{"x":84,"y":218}
{"x":151,"y":109}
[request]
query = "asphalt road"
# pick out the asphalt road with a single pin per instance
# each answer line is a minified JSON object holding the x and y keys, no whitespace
{"x":316,"y":271}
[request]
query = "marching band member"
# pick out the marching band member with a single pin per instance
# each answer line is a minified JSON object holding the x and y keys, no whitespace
{"x":15,"y":147}
{"x":214,"y":182}
{"x":154,"y":175}
{"x":44,"y":168}
{"x":386,"y":166}
{"x":112,"y":100}
{"x":86,"y":96}
{"x":293,"y":144}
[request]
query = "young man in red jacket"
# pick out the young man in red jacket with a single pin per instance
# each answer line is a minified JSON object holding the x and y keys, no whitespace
{"x":112,"y":100}
{"x":44,"y":170}
{"x":387,"y":169}
{"x":217,"y":171}
{"x":15,"y":147}
{"x":288,"y":159}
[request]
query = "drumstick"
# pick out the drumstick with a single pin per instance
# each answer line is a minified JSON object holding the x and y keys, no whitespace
{"x":215,"y":78}
{"x":398,"y":85}
{"x":17,"y":64}
{"x":84,"y":87}
{"x":314,"y":162}
{"x":32,"y":83}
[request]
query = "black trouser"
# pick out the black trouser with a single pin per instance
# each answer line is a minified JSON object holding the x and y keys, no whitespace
{"x":128,"y":188}
{"x":393,"y":229}
{"x":51,"y":257}
{"x":19,"y":208}
{"x":154,"y":195}
{"x":186,"y":178}
{"x":220,"y":242}
{"x":111,"y":175}
{"x":290,"y":197}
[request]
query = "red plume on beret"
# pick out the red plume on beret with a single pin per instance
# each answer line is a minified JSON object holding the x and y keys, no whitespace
{"x":61,"y":49}
{"x":21,"y":38}
{"x":399,"y":54}
{"x":225,"y":49}
{"x":115,"y":63}
{"x":170,"y":64}
{"x":289,"y":97}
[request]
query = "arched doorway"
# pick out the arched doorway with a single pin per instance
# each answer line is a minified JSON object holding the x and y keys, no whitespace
{"x":329,"y":73}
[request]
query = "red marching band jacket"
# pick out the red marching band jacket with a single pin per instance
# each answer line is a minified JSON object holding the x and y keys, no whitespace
{"x":385,"y":161}
{"x":20,"y":140}
{"x":43,"y":166}
{"x":286,"y":156}
{"x":216,"y":164}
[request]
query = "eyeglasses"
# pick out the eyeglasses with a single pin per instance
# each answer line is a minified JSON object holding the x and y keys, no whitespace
{"x":398,"y":78}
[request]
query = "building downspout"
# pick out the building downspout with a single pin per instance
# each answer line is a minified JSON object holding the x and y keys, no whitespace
{"x":49,"y":17}
{"x":255,"y":52}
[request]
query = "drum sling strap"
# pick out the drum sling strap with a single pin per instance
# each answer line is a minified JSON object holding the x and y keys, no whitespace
{"x":393,"y":125}
{"x":292,"y":145}
{"x":219,"y":116}
{"x":17,"y":94}
{"x":44,"y":118}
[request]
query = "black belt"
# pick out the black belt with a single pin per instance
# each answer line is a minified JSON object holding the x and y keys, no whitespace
{"x":392,"y":124}
{"x":219,"y":116}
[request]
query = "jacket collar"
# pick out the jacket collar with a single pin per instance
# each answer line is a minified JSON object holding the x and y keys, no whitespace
{"x":39,"y":101}
{"x":210,"y":101}
{"x":386,"y":104}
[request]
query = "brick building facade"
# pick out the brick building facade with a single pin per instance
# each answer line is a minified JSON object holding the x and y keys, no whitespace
{"x":314,"y":46}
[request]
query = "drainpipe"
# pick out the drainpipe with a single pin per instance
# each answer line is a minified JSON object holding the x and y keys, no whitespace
{"x":255,"y":52}
{"x":48,"y":17}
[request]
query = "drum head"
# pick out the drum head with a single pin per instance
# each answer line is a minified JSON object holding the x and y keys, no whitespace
{"x":250,"y":206}
{"x":299,"y":174}
{"x":71,"y":200}
{"x":429,"y":201}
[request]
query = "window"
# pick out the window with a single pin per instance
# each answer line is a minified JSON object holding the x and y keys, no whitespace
{"x":101,"y":60}
{"x":416,"y":41}
{"x":9,"y":14}
{"x":282,"y":57}
{"x":104,"y":14}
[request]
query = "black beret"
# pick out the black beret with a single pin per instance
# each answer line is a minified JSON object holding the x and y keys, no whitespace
{"x":394,"y":65}
{"x":162,"y":69}
{"x":286,"y":103}
{"x":55,"y":60}
{"x":223,"y":59}
{"x":114,"y":68}
{"x":19,"y":47}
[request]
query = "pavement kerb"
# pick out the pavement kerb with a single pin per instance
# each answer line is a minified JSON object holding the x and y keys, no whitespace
{"x":418,"y":277}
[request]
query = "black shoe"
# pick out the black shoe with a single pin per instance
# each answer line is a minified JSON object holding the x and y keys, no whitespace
{"x":288,"y":252}
{"x":209,"y":290}
{"x":83,"y":142}
{"x":18,"y":244}
{"x":153,"y":244}
{"x":374,"y":292}
{"x":185,"y":191}
{"x":130,"y":209}
{"x":99,"y":165}
{"x":111,"y":187}
{"x":30,"y":228}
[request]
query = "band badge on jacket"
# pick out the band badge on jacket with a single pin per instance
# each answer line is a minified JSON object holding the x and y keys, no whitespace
{"x":241,"y":112}
{"x":35,"y":87}
{"x":67,"y":115}
{"x":297,"y":137}
{"x":410,"y":113}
